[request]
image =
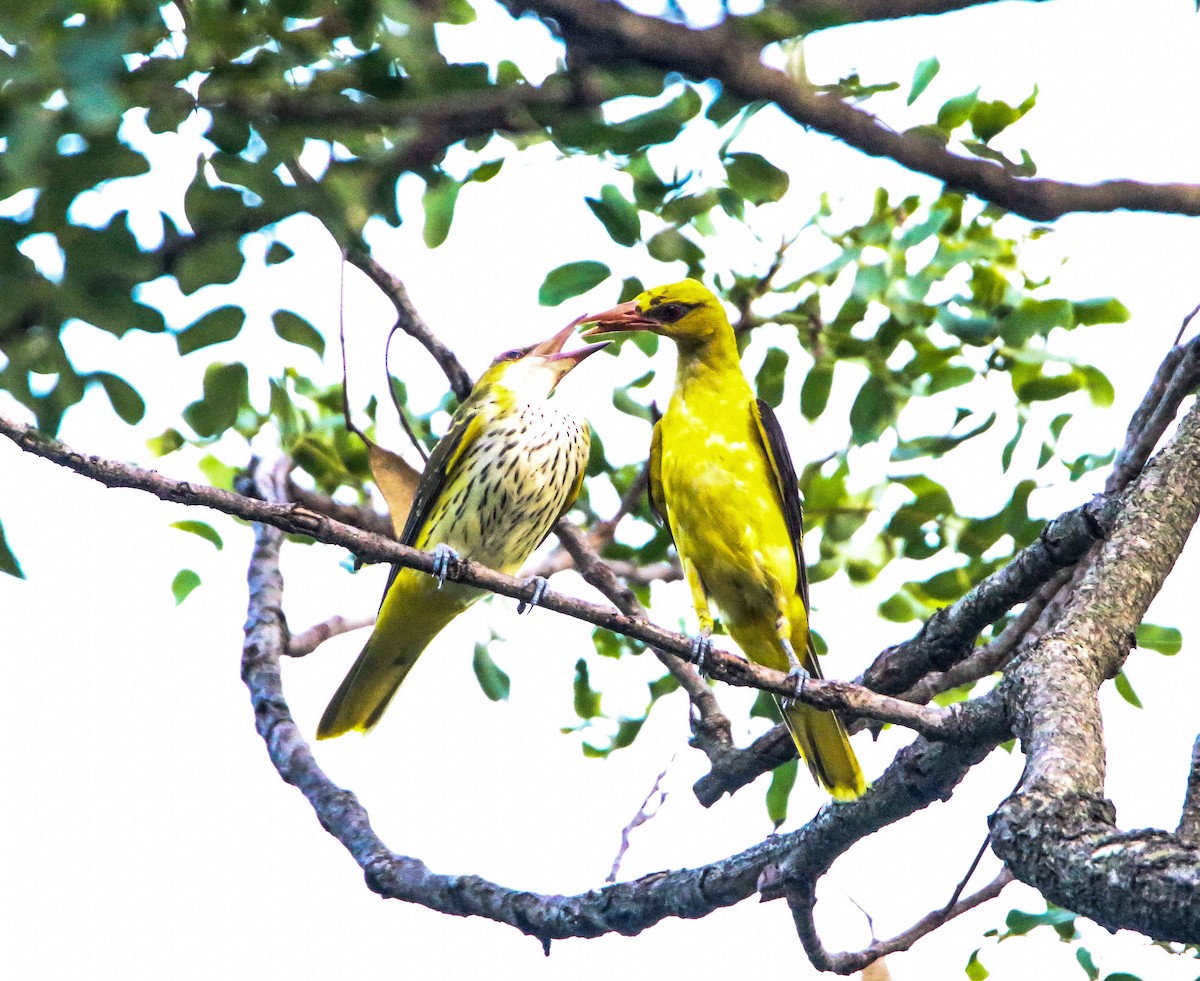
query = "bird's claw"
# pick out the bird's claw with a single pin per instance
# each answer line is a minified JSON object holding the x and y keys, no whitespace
{"x":540,"y":585}
{"x":797,"y":676}
{"x":443,"y":555}
{"x":701,"y":648}
{"x":796,"y":673}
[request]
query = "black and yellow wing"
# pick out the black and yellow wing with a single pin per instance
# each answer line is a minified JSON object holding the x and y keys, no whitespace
{"x":786,"y":482}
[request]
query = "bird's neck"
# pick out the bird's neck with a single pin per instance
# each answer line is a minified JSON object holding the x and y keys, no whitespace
{"x":710,"y":368}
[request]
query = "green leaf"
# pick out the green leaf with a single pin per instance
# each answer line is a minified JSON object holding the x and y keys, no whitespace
{"x":277,"y":253}
{"x":671,"y":245}
{"x":439,"y":199}
{"x":571,"y":279}
{"x":1101,"y":311}
{"x":1084,"y":956}
{"x":122,"y":396}
{"x":755,"y":178}
{"x":1126,"y":689}
{"x":587,"y":700}
{"x":956,"y":111}
{"x":814,"y":393}
{"x":974,"y":969}
{"x":215,"y":327}
{"x":620,"y":217}
{"x":296,"y":330}
{"x":1164,"y":640}
{"x":204,"y":530}
{"x":873,"y":411}
{"x":1035,"y":318}
{"x":1046,"y":388}
{"x":923,"y":75}
{"x":182,"y":585}
{"x":8,"y":562}
{"x":486,"y":171}
{"x":1020,"y":923}
{"x":768,"y":383}
{"x":215,"y":259}
{"x":783,"y":778}
{"x":167,"y":442}
{"x":492,"y":680}
{"x":226,"y":391}
{"x":989,"y":119}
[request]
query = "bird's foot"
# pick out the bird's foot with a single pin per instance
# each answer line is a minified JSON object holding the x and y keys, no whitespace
{"x":443,"y":555}
{"x":540,"y":585}
{"x":701,"y":648}
{"x":796,"y":673}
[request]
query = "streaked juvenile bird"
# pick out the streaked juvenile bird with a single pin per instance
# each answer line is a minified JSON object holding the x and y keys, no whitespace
{"x":722,"y":479}
{"x":510,"y":465}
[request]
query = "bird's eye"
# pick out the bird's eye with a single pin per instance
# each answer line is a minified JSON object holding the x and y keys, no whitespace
{"x":514,"y":355}
{"x":668,"y":313}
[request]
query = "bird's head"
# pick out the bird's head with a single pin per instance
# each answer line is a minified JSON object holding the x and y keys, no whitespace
{"x":533,"y":371}
{"x":687,"y":312}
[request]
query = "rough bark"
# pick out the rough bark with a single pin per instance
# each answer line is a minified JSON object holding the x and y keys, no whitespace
{"x":1057,"y":832}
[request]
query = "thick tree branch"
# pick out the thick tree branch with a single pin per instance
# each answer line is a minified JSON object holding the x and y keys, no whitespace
{"x":1189,"y":822}
{"x":1057,"y":832}
{"x":920,"y":774}
{"x":949,"y":635}
{"x":934,"y":722}
{"x":817,"y":14}
{"x":605,"y":31}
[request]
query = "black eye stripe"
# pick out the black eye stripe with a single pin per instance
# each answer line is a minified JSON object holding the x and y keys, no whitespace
{"x":667,"y":312}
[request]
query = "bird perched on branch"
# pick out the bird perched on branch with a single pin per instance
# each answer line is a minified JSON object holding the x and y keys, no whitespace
{"x":722,"y":479}
{"x":510,"y":465}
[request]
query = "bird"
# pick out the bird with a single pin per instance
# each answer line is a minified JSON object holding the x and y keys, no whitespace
{"x":510,"y":465}
{"x":721,"y":478}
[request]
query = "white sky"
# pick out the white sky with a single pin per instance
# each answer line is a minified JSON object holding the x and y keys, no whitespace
{"x":146,"y":835}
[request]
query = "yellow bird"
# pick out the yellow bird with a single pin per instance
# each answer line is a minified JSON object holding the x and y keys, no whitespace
{"x":722,"y":479}
{"x":510,"y":465}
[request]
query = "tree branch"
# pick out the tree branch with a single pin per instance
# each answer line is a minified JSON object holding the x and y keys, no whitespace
{"x":1189,"y":822}
{"x":1057,"y":832}
{"x":676,"y":648}
{"x":303,"y":644}
{"x":610,"y":33}
{"x":411,"y":322}
{"x":920,"y":774}
{"x":846,"y":963}
{"x":818,"y":14}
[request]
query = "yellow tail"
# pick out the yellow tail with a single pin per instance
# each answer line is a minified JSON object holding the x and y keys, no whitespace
{"x":824,"y":745}
{"x":413,"y":612}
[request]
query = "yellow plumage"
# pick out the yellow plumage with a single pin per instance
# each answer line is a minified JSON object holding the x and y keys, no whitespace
{"x":510,"y":465}
{"x":721,"y":476}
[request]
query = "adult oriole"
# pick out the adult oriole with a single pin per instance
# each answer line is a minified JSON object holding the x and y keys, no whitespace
{"x":722,"y":479}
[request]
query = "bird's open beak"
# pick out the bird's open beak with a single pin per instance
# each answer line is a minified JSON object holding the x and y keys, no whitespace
{"x":620,"y":319}
{"x":552,"y":348}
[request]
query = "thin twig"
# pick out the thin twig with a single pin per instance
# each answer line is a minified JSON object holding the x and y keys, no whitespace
{"x":307,"y":641}
{"x":846,"y":962}
{"x":644,"y":813}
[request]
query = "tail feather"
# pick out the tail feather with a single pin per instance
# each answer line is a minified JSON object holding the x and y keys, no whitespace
{"x":412,"y":614}
{"x":824,"y":745}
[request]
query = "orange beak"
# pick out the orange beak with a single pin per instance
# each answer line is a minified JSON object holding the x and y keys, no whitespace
{"x":623,"y":318}
{"x":552,"y":348}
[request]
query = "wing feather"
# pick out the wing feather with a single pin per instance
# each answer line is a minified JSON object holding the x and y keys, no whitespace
{"x":786,"y":482}
{"x":658,"y":500}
